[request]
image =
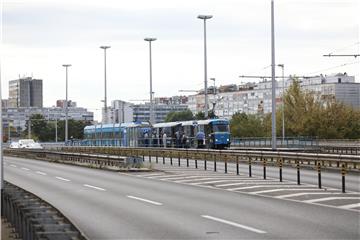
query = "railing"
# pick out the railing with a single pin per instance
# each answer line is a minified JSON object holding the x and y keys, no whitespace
{"x":34,"y":218}
{"x":298,"y":160}
{"x":289,"y":142}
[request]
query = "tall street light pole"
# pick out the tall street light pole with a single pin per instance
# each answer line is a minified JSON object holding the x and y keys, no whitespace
{"x":205,"y":17}
{"x":273,"y":83}
{"x":66,"y":102}
{"x":105,"y":88}
{"x":151,"y":119}
{"x":283,"y":103}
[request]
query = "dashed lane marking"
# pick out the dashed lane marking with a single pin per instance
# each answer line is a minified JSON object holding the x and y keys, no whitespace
{"x":63,"y":179}
{"x":94,"y":187}
{"x":26,"y":169}
{"x":145,"y":200}
{"x":252,"y":229}
{"x":41,"y":173}
{"x":12,"y":165}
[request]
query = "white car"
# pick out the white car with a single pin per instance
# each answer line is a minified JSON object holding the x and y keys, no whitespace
{"x":14,"y":145}
{"x":29,"y":144}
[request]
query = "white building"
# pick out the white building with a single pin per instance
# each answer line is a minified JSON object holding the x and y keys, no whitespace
{"x":19,"y":116}
{"x":254,"y":98}
{"x":119,"y":112}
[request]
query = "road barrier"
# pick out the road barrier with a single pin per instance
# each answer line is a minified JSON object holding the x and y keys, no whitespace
{"x":298,"y":160}
{"x":34,"y":218}
{"x":112,"y":156}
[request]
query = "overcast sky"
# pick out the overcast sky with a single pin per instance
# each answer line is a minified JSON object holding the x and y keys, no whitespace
{"x":41,"y":35}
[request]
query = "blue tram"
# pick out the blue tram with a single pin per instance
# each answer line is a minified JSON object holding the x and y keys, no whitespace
{"x":211,"y":133}
{"x":124,"y":134}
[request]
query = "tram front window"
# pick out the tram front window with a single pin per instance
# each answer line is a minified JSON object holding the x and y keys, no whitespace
{"x":220,"y":128}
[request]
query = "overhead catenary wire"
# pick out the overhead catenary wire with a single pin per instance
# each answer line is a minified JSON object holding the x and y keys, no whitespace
{"x":337,"y":66}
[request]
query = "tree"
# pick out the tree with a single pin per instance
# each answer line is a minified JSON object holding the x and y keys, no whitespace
{"x":243,"y":125}
{"x":201,"y":115}
{"x":179,"y":116}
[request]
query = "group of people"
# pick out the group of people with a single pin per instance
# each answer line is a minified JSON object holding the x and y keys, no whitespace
{"x":164,"y":139}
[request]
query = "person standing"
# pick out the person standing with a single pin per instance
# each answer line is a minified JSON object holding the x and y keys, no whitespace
{"x":164,"y":139}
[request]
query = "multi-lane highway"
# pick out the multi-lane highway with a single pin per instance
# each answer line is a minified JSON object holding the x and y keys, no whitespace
{"x":110,"y":205}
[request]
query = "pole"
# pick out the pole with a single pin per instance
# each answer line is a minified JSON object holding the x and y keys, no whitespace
{"x":29,"y":127}
{"x":283,"y":103}
{"x":273,"y":92}
{"x":205,"y":72}
{"x":66,"y":102}
{"x":1,"y":130}
{"x":151,"y":112}
{"x":151,"y":94}
{"x":206,"y":111}
{"x":105,"y":88}
{"x":105,"y":120}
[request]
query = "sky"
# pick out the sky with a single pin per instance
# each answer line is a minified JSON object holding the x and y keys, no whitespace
{"x":41,"y":35}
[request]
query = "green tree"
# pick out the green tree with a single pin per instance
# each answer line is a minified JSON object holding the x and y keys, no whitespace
{"x":179,"y":116}
{"x":243,"y":125}
{"x":201,"y":115}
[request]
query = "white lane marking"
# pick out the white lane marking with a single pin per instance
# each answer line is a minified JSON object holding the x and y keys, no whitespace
{"x":12,"y":165}
{"x":63,"y":179}
{"x":169,"y":176}
{"x":253,"y":181}
{"x":285,"y":189}
{"x":145,"y":200}
{"x":306,"y":193}
{"x":26,"y":169}
{"x":41,"y":173}
{"x":259,"y":186}
{"x":230,"y":184}
{"x":234,"y":224}
{"x":149,"y":175}
{"x":329,"y":199}
{"x":94,"y":187}
{"x":216,"y":181}
{"x":350,"y":206}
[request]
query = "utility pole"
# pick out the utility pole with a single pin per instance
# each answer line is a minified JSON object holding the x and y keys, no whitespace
{"x":151,"y":112}
{"x":273,"y":82}
{"x":105,"y":87}
{"x":205,"y":17}
{"x":66,"y":103}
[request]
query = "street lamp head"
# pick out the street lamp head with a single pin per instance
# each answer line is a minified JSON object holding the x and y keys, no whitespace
{"x":66,"y":65}
{"x":280,"y":65}
{"x":104,"y":47}
{"x":149,"y":39}
{"x":204,"y":17}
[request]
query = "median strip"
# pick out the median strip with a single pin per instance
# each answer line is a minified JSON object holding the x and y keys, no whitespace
{"x":145,"y":200}
{"x":63,"y":179}
{"x":94,"y":187}
{"x":234,"y":224}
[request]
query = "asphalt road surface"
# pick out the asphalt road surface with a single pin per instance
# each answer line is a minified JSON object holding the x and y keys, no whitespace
{"x":110,"y":205}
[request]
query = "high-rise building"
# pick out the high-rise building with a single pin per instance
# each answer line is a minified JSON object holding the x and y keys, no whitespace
{"x":26,"y":92}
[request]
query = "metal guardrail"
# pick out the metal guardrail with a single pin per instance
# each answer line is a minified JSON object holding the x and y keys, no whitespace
{"x":35,"y":219}
{"x":93,"y":160}
{"x":298,"y":160}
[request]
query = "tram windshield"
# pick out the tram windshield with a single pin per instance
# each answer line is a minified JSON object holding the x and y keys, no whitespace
{"x":221,"y":128}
